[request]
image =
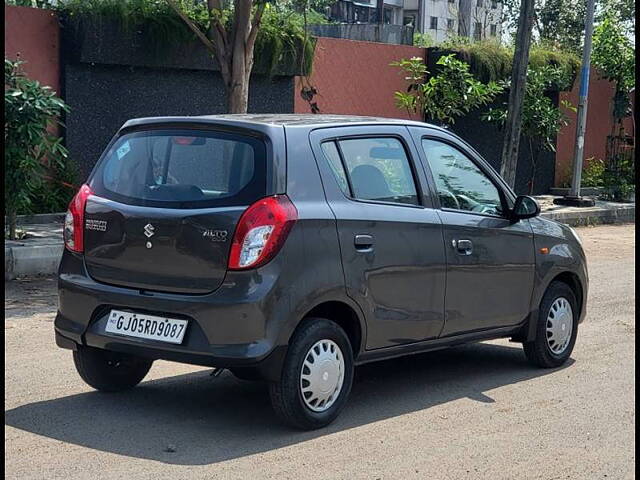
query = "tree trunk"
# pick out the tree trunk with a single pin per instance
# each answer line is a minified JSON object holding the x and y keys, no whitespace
{"x":238,"y":96}
{"x":534,"y":163}
{"x":232,"y":49}
{"x":513,"y":124}
{"x":13,"y":220}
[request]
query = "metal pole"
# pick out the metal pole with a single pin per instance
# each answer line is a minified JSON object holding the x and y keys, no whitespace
{"x":582,"y":103}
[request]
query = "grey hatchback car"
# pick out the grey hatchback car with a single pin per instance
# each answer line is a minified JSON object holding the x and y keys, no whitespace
{"x":291,"y":248}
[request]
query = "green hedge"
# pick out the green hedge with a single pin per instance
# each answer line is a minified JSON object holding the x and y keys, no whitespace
{"x":492,"y":61}
{"x":281,"y":38}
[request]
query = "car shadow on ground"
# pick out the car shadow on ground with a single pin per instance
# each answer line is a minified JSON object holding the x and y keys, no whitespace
{"x":195,"y":419}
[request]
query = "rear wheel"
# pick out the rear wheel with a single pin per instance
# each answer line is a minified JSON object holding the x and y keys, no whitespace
{"x":316,"y":377}
{"x":556,"y":329}
{"x":110,"y":371}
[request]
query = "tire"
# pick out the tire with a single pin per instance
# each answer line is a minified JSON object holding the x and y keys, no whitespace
{"x":287,"y":397}
{"x":110,"y":371}
{"x":539,"y":352}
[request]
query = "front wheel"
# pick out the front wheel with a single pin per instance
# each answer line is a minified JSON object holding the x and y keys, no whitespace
{"x":110,"y":371}
{"x":556,"y":329}
{"x":316,"y":377}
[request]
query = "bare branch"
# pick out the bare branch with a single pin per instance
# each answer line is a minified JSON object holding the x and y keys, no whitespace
{"x":217,"y":29}
{"x":207,"y":43}
{"x":255,"y":26}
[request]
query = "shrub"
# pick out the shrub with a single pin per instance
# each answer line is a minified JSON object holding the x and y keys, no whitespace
{"x":593,"y":173}
{"x":450,"y":93}
{"x":423,"y":40}
{"x":30,"y":149}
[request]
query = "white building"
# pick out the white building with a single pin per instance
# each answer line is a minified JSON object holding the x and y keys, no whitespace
{"x":477,"y":19}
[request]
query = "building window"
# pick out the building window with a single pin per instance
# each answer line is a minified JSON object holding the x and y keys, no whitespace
{"x":479,"y":3}
{"x":452,"y":1}
{"x":388,"y":16}
{"x":494,"y":30}
{"x":409,"y":18}
{"x":450,"y":24}
{"x":434,"y":23}
{"x":477,"y":32}
{"x":494,"y":4}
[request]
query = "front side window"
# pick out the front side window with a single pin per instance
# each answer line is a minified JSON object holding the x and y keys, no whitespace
{"x":434,"y":23}
{"x":460,"y":183}
{"x":379,"y":170}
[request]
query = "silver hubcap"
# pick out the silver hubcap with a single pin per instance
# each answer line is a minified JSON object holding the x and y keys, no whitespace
{"x":322,"y":375}
{"x":559,"y":325}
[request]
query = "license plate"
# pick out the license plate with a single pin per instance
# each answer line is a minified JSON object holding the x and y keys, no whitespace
{"x":140,"y":325}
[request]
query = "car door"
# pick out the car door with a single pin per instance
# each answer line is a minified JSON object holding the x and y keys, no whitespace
{"x":390,"y":236}
{"x":490,"y":258}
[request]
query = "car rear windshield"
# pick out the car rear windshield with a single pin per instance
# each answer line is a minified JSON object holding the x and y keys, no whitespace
{"x":182,"y":169}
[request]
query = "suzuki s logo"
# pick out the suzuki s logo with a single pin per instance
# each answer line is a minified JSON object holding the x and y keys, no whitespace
{"x":149,"y":230}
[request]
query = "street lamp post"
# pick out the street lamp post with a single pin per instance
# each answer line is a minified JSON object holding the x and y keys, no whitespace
{"x":574,"y":198}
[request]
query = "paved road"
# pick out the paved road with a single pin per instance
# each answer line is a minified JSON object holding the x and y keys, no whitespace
{"x":471,"y":412}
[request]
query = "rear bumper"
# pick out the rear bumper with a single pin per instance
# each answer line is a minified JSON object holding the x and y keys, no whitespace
{"x":227,"y":328}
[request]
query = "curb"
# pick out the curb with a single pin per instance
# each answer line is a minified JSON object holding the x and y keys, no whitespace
{"x":38,"y":218}
{"x":32,"y":261}
{"x":594,"y":216}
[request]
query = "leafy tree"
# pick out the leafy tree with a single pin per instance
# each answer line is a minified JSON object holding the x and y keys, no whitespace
{"x":230,"y":37}
{"x":541,"y":119}
{"x":450,"y":93}
{"x":560,"y":23}
{"x":30,"y":149}
{"x":230,"y":34}
{"x":614,"y":57}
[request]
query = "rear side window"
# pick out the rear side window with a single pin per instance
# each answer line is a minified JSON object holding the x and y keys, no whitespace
{"x":182,"y":169}
{"x":331,"y":152}
{"x":379,"y":170}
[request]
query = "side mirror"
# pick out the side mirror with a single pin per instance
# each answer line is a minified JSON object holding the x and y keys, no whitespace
{"x":525,"y":207}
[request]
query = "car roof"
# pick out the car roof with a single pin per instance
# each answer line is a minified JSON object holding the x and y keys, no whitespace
{"x":280,"y":119}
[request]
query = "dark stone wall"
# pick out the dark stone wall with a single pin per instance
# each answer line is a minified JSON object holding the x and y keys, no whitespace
{"x":103,"y":97}
{"x":110,"y":75}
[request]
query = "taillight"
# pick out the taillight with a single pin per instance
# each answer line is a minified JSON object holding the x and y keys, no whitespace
{"x":74,"y":220}
{"x":261,"y":232}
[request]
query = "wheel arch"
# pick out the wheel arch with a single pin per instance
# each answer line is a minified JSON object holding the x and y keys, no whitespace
{"x":345,"y":316}
{"x":573,"y":281}
{"x":569,"y":278}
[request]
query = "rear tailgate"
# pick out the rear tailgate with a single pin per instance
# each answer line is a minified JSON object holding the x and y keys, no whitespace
{"x":182,"y":251}
{"x":166,"y":203}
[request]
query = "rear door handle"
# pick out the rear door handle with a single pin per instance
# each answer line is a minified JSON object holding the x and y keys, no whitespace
{"x":363,"y":242}
{"x":463,"y":246}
